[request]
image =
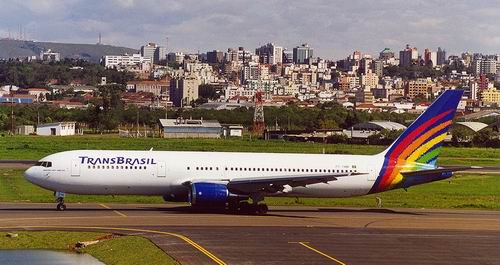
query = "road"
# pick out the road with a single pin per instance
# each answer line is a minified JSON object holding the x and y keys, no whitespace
{"x":287,"y":235}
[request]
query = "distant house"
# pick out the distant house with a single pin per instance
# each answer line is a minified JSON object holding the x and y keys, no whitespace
{"x":68,"y":104}
{"x":157,"y":87}
{"x":184,"y":128}
{"x":17,"y":99}
{"x":232,"y":130}
{"x":39,"y":94}
{"x":56,"y":129}
{"x":25,"y":129}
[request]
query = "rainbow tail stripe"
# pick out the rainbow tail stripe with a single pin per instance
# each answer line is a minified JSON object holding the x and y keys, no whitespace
{"x":419,"y":145}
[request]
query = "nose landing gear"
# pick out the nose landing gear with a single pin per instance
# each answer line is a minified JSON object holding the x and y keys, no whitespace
{"x":60,"y":201}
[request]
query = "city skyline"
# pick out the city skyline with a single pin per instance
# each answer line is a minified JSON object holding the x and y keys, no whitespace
{"x":334,"y":30}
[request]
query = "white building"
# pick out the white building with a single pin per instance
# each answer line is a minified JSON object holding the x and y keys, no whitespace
{"x":57,"y":129}
{"x":50,"y":56}
{"x":148,"y":51}
{"x":117,"y":61}
{"x":177,"y":57}
{"x":154,"y":52}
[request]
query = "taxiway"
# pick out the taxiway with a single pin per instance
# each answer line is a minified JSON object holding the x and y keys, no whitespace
{"x":291,"y":235}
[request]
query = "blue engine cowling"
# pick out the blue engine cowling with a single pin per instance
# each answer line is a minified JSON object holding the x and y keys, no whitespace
{"x":209,"y":194}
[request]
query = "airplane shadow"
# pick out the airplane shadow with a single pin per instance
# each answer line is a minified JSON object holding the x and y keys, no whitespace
{"x":342,"y":210}
{"x":173,"y":210}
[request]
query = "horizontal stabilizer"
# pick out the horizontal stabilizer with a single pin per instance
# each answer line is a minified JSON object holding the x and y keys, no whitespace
{"x":441,"y":170}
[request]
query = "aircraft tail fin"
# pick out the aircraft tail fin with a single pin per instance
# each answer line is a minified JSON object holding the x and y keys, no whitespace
{"x":418,"y":147}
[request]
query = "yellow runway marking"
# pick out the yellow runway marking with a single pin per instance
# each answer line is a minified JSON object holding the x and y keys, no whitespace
{"x":305,"y":244}
{"x":184,"y":238}
{"x":115,"y":211}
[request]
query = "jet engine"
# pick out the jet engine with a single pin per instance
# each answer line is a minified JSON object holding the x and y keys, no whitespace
{"x":209,"y":194}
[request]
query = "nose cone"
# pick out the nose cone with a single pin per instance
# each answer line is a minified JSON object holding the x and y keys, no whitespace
{"x":31,"y":174}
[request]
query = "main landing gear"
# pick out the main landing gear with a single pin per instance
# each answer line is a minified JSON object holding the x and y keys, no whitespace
{"x":60,"y":201}
{"x":239,"y":205}
{"x":253,"y":208}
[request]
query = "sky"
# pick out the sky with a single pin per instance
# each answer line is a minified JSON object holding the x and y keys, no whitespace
{"x":334,"y":28}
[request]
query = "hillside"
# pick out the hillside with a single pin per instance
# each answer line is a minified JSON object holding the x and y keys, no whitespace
{"x":90,"y":52}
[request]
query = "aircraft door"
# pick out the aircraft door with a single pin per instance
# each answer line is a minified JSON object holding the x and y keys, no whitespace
{"x":162,"y":170}
{"x":75,"y":168}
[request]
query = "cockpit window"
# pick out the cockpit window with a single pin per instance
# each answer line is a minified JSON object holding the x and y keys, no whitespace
{"x":44,"y":163}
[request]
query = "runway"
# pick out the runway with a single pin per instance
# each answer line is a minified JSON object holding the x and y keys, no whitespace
{"x":287,"y":235}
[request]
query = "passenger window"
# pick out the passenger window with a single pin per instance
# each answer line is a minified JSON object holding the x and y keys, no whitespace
{"x":210,"y":168}
{"x":188,"y":168}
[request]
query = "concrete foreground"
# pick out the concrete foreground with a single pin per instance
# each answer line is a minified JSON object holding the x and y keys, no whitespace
{"x":286,"y":235}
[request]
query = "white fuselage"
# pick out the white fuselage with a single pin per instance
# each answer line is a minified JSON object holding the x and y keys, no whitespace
{"x":164,"y":172}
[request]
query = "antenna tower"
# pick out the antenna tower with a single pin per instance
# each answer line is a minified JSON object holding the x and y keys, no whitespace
{"x":258,"y":125}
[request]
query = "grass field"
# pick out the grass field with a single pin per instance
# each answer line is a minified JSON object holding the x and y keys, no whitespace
{"x":118,"y":250}
{"x":35,"y":147}
{"x":463,"y":191}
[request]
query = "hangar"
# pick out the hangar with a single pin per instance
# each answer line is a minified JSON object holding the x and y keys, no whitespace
{"x":189,"y":128}
{"x":365,"y":129}
{"x":472,"y":126}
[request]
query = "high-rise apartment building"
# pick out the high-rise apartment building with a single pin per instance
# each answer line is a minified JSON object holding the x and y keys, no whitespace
{"x":302,"y":54}
{"x":287,"y":56}
{"x":419,"y":87}
{"x":148,"y":51}
{"x":378,"y":68}
{"x":154,"y":52}
{"x":484,"y":66}
{"x":215,"y":56}
{"x":408,"y":56}
{"x":430,"y":58}
{"x":441,"y":56}
{"x":270,"y":54}
{"x":369,"y":80}
{"x":184,"y":90}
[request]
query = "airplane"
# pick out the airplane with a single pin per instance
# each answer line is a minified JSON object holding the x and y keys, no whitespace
{"x":240,"y":181}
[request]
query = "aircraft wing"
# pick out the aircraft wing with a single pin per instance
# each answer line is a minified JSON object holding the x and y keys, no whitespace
{"x":277,"y":183}
{"x":440,"y":170}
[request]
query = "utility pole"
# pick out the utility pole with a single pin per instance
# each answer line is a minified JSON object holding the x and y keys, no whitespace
{"x":137,"y":123}
{"x":11,"y":111}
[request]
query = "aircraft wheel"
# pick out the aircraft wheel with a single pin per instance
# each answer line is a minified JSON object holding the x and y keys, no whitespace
{"x":262,"y":209}
{"x":61,"y":207}
{"x":245,"y":207}
{"x":233,"y":207}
